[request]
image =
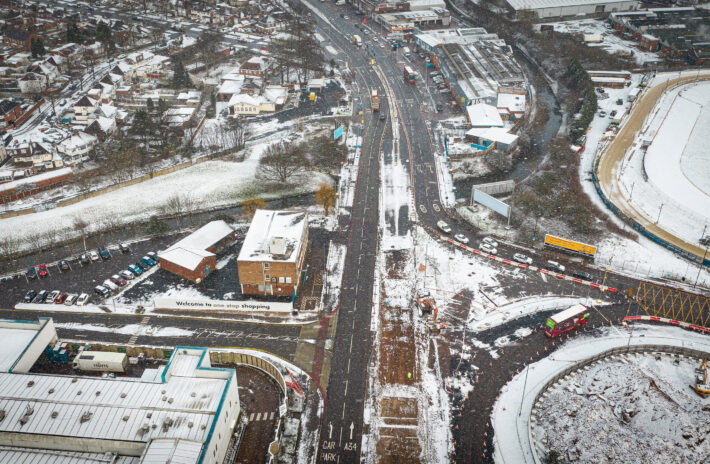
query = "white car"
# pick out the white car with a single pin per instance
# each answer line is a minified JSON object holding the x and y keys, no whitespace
{"x":489,"y":248}
{"x":490,"y":241}
{"x":126,"y":275}
{"x":461,"y":238}
{"x":83,"y":298}
{"x":521,"y":258}
{"x":94,"y":255}
{"x":110,"y":285}
{"x":554,"y":266}
{"x":444,"y":227}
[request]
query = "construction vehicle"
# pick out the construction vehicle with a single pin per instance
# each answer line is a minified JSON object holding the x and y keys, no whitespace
{"x":426,"y":303}
{"x":375,"y":101}
{"x":702,"y":386}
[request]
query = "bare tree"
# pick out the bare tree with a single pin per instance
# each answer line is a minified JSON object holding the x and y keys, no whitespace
{"x":81,"y":225}
{"x":282,"y":162}
{"x":250,"y":206}
{"x":326,"y":196}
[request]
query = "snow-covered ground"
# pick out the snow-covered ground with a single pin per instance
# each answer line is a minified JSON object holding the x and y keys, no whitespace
{"x":206,"y":185}
{"x":512,"y":411}
{"x":640,"y":257}
{"x":611,"y":43}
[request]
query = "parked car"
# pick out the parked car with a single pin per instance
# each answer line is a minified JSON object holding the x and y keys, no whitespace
{"x":110,"y":285}
{"x":103,"y":252}
{"x":602,"y":114}
{"x":118,"y":280}
{"x":52,"y":296}
{"x":613,"y":113}
{"x":583,"y":275}
{"x":142,"y":266}
{"x":84,"y":258}
{"x":64,"y":265}
{"x":124,"y":248}
{"x":82,"y":299}
{"x":102,"y":291}
{"x":490,"y":241}
{"x":153,"y":255}
{"x":41,"y":297}
{"x":61,"y":298}
{"x":71,"y":299}
{"x":126,"y":275}
{"x":444,"y":227}
{"x":521,"y":258}
{"x":442,"y":86}
{"x":42,"y":270}
{"x":135,"y":269}
{"x":29,"y":296}
{"x":31,"y":273}
{"x":439,"y":107}
{"x":461,"y":238}
{"x":148,"y":260}
{"x":94,"y":255}
{"x":383,"y":116}
{"x":554,"y":266}
{"x":488,"y":248}
{"x":619,"y":101}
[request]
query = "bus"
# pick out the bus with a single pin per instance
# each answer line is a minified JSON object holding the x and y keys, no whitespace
{"x":409,"y":75}
{"x":570,"y":246}
{"x":567,"y":320}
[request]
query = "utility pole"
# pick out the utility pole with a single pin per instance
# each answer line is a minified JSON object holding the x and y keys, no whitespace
{"x":522,"y":396}
{"x":702,"y":262}
{"x":659,"y":213}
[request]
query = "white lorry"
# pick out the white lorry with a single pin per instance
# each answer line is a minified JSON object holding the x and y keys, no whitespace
{"x":100,"y":361}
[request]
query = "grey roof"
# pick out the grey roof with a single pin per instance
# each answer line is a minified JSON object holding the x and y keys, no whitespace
{"x":537,"y":4}
{"x":11,"y":455}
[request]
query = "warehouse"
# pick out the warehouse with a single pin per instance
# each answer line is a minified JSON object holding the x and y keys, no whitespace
{"x":557,"y":8}
{"x":195,"y":256}
{"x":272,"y":256}
{"x":186,"y":409}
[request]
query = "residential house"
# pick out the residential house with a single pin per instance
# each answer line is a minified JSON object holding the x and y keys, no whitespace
{"x":77,"y":147}
{"x":15,"y":37}
{"x":255,"y":66}
{"x":273,"y":254}
{"x":250,"y":105}
{"x":84,"y":109}
{"x":101,"y":128}
{"x":10,"y":112}
{"x":31,"y":83}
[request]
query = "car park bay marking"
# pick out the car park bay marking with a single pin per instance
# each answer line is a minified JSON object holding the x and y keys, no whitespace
{"x":543,"y":276}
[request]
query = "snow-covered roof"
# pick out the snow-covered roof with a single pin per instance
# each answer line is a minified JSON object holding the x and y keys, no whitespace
{"x":495,"y":134}
{"x":78,"y":140}
{"x":122,"y":409}
{"x":269,"y":225}
{"x":14,"y":342}
{"x":187,"y":258}
{"x":511,"y":101}
{"x":33,"y":179}
{"x":230,"y":87}
{"x":603,"y":79}
{"x":538,"y":4}
{"x":483,"y":115}
{"x":276,"y":94}
{"x":191,"y":250}
{"x":10,"y":454}
{"x":245,"y":98}
{"x":569,"y":312}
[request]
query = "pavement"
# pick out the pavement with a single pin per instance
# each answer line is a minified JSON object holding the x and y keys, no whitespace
{"x":610,"y":163}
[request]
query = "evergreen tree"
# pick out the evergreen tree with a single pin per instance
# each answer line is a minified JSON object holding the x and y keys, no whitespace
{"x":149,"y":104}
{"x":74,"y":34}
{"x":181,"y":79}
{"x":37,"y":48}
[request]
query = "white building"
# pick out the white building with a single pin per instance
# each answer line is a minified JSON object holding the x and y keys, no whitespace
{"x":77,"y":147}
{"x":556,"y":8}
{"x":182,"y":412}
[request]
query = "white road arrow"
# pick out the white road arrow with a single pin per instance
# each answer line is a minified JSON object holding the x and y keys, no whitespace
{"x":330,"y":434}
{"x":352,"y":426}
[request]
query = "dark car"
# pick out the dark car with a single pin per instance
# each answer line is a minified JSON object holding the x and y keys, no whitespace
{"x":382,"y":116}
{"x":29,"y":296}
{"x":147,"y":260}
{"x":583,"y":275}
{"x":124,"y":248}
{"x":143,"y":266}
{"x":61,"y":298}
{"x":102,"y":291}
{"x":439,"y":107}
{"x":103,"y":252}
{"x":64,"y":266}
{"x":32,"y":273}
{"x":41,"y":297}
{"x":153,"y":255}
{"x":118,"y":280}
{"x":42,"y":270}
{"x":84,"y":258}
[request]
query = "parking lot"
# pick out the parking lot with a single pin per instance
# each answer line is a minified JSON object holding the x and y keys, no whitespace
{"x":80,"y":278}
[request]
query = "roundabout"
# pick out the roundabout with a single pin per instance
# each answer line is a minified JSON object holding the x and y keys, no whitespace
{"x":607,"y":396}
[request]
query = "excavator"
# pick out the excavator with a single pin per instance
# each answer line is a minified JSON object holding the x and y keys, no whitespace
{"x":702,"y":386}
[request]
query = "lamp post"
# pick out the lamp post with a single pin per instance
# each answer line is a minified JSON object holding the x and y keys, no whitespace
{"x":659,"y":213}
{"x":702,"y":262}
{"x":522,"y":396}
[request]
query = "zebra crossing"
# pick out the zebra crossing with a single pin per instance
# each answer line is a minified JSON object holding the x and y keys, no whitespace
{"x":134,"y":337}
{"x":261,"y":416}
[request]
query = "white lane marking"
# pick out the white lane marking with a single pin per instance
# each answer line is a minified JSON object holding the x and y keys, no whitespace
{"x":543,"y":276}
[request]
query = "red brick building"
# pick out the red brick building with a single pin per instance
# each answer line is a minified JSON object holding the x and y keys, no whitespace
{"x":195,"y":256}
{"x":13,"y":37}
{"x":10,"y":112}
{"x":272,"y":256}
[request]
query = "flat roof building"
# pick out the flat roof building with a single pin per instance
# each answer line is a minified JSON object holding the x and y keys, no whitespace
{"x":185,"y":412}
{"x":274,"y":250}
{"x":557,"y":8}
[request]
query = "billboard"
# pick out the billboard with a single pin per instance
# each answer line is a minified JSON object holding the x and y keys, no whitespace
{"x":337,"y":133}
{"x":492,"y":203}
{"x":221,"y":305}
{"x":570,"y":246}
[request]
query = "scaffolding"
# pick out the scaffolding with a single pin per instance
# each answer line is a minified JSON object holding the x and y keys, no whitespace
{"x":674,"y":304}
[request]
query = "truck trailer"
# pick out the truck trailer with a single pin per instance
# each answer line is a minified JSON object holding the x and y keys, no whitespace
{"x":375,"y":101}
{"x":100,"y":361}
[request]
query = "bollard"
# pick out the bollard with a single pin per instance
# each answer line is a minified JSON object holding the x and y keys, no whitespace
{"x":485,"y":434}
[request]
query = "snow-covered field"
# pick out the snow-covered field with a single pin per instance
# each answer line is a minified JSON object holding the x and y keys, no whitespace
{"x":611,"y":42}
{"x":512,"y":411}
{"x":639,"y":257}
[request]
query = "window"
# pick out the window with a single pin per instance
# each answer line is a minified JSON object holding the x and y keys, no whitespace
{"x":266,"y":265}
{"x":268,"y":289}
{"x":282,"y":280}
{"x":288,"y":280}
{"x":261,"y":288}
{"x":267,"y":277}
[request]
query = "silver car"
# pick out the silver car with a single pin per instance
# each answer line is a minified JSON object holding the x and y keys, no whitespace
{"x":521,"y":258}
{"x":489,"y":248}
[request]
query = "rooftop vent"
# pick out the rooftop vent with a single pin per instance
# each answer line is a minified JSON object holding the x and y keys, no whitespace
{"x":190,"y":424}
{"x":51,"y":390}
{"x":54,"y":414}
{"x":125,"y":418}
{"x":277,"y":246}
{"x":143,"y":430}
{"x":123,"y":395}
{"x":167,"y":423}
{"x":30,"y":383}
{"x":74,"y":380}
{"x":193,"y":394}
{"x":2,"y":415}
{"x":98,"y":393}
{"x":78,"y":393}
{"x":149,"y":415}
{"x":86,"y":417}
{"x":170,"y":401}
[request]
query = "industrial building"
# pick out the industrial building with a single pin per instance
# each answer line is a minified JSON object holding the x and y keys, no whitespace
{"x":273,"y":253}
{"x":195,"y":256}
{"x":184,"y":412}
{"x":679,"y":33}
{"x":556,"y":8}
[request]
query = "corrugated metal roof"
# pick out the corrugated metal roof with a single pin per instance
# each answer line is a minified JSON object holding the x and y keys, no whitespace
{"x":14,"y":342}
{"x":10,"y":455}
{"x":537,"y":4}
{"x":119,"y":410}
{"x":174,"y":451}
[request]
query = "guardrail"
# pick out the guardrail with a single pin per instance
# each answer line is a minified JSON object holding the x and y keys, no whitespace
{"x":647,"y":349}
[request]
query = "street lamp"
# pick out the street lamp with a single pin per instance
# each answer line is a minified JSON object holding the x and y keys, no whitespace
{"x":702,"y":262}
{"x":659,"y":213}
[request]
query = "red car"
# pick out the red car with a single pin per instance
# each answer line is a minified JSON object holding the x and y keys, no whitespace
{"x":118,"y":280}
{"x":60,"y":299}
{"x":42,"y":270}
